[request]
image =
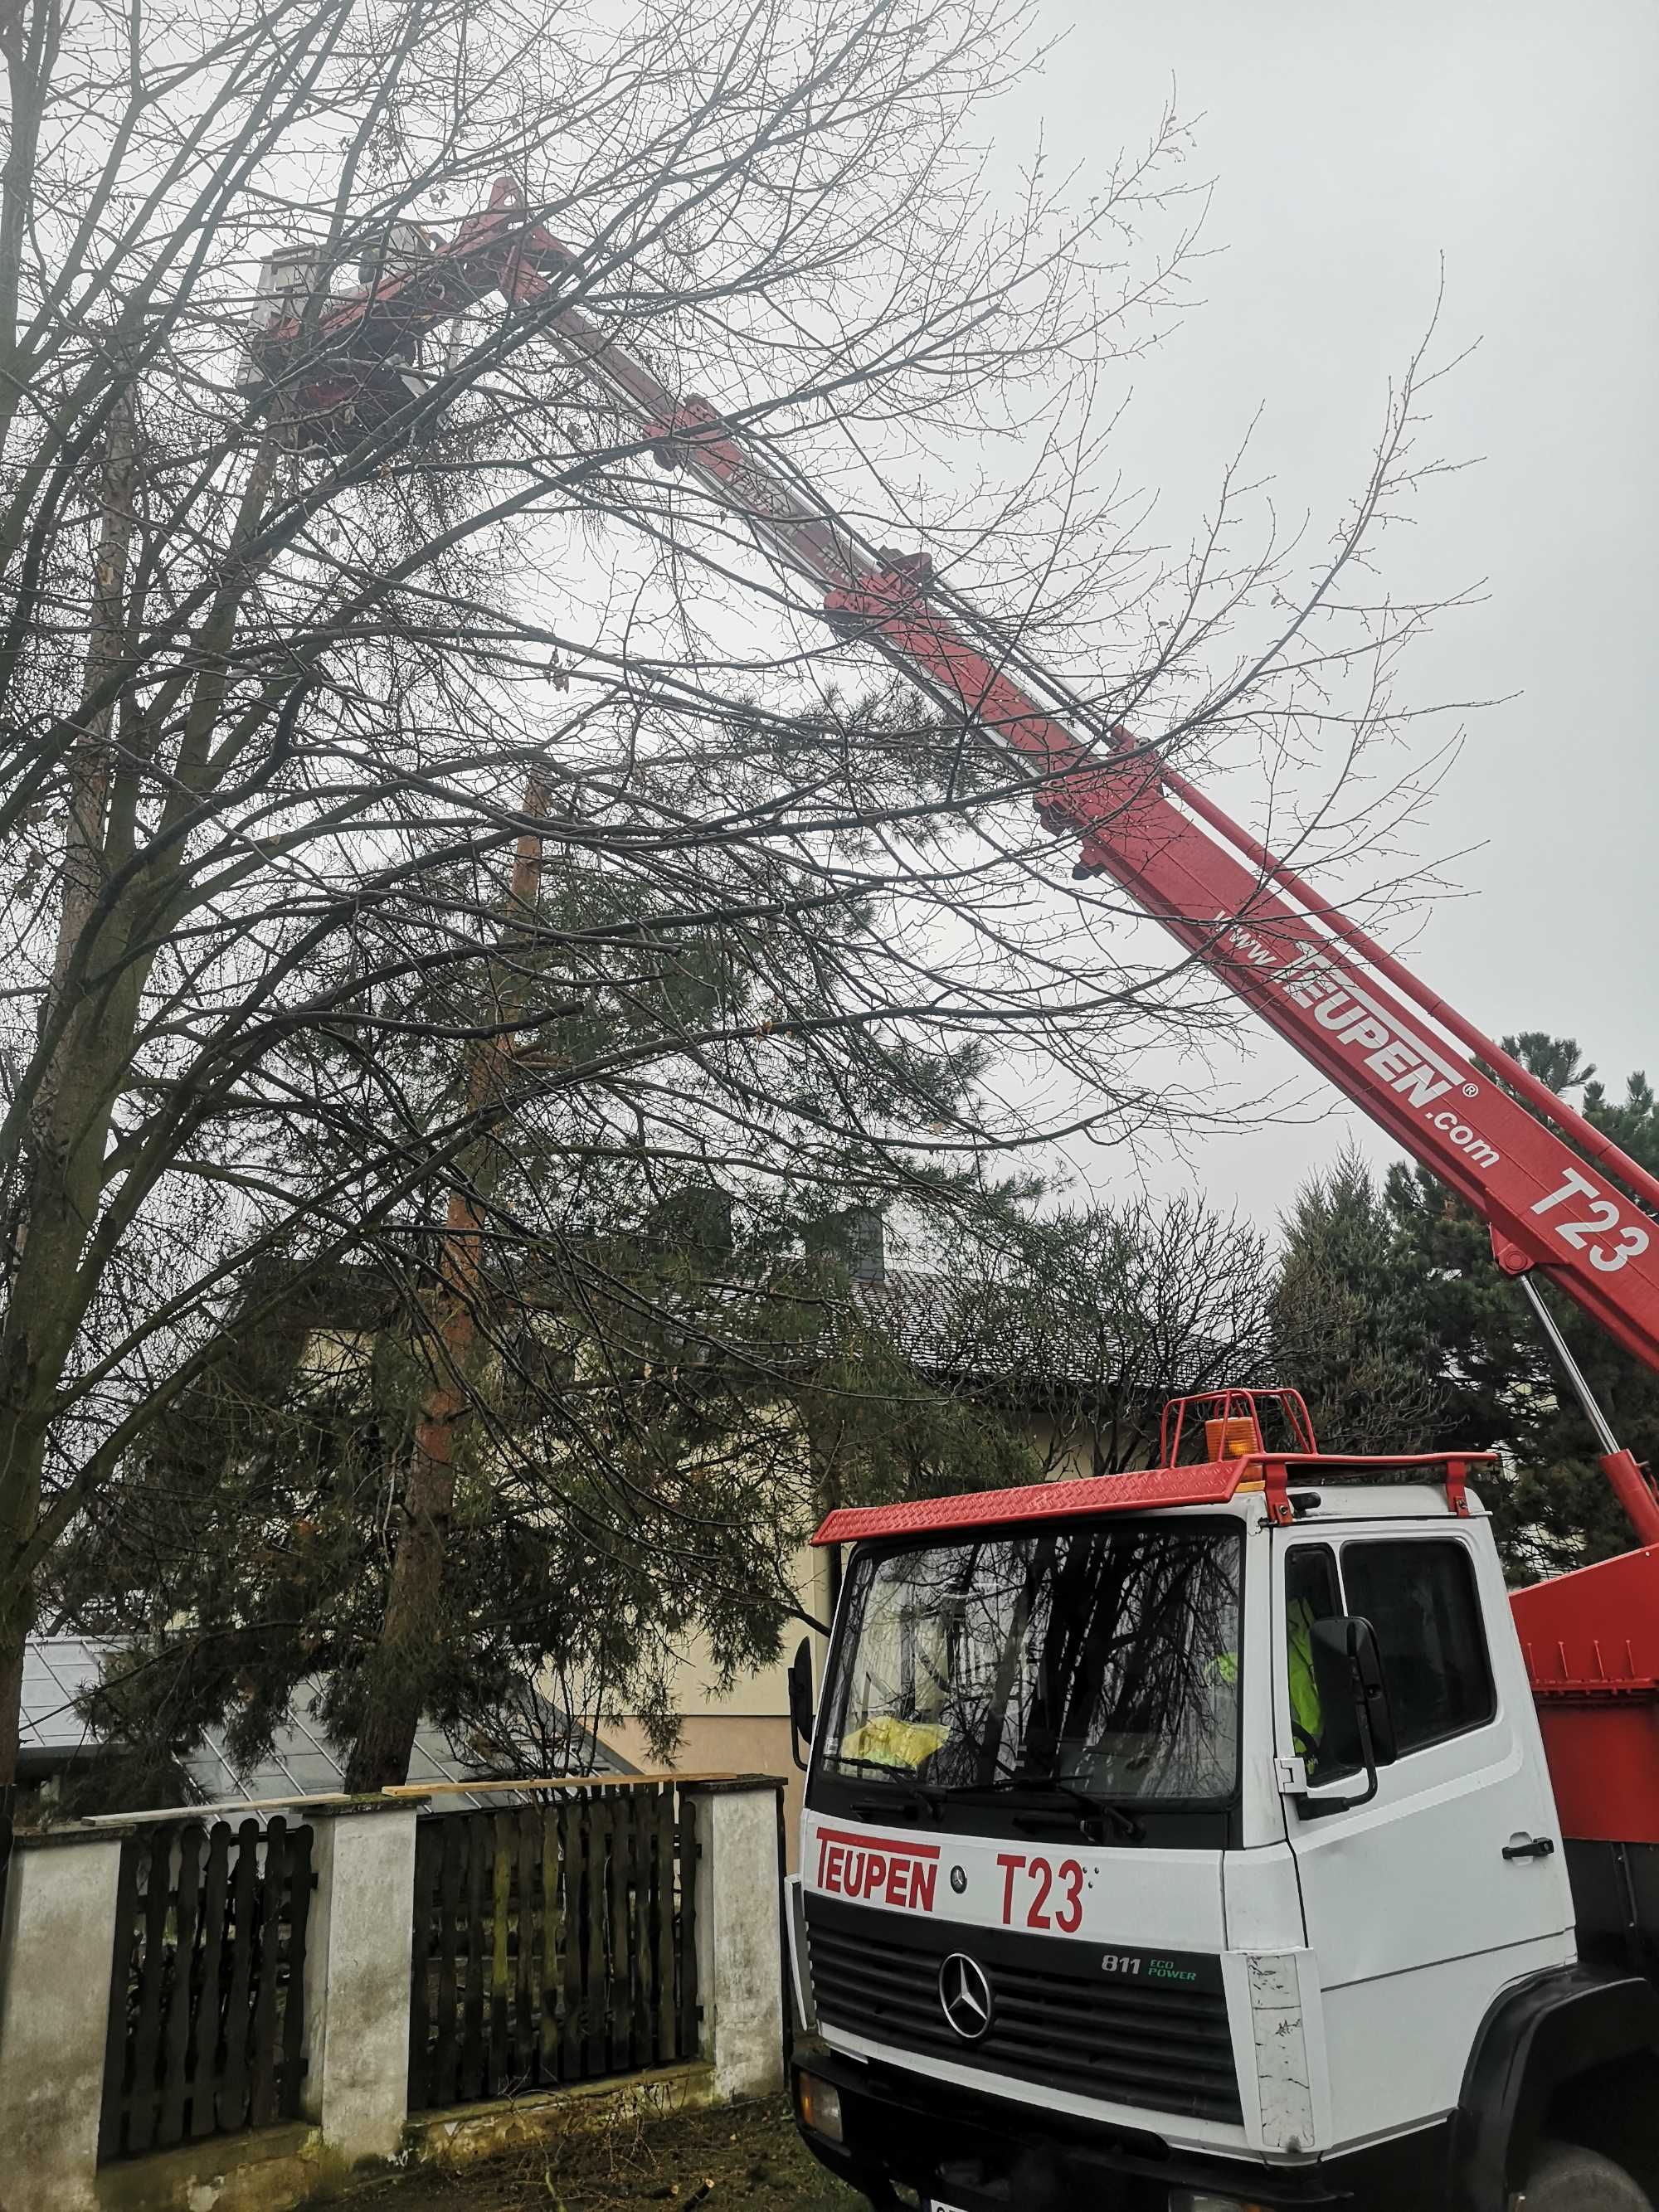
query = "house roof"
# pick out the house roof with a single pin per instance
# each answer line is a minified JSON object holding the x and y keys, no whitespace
{"x":302,"y":1762}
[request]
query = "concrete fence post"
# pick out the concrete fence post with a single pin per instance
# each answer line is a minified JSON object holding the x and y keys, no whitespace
{"x":357,"y":1965}
{"x":56,"y":1952}
{"x":739,"y":1961}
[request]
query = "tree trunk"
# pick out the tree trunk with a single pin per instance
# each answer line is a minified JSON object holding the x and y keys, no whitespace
{"x":15,"y":1625}
{"x":413,"y":1637}
{"x":412,"y":1647}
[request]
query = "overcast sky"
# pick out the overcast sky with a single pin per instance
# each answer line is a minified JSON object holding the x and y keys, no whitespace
{"x":1351,"y":150}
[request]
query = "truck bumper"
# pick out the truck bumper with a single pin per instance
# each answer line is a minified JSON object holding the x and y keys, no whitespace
{"x":989,"y":2154}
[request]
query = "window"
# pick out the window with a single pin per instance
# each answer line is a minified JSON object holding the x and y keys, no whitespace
{"x":1420,"y":1596}
{"x":1103,"y":1656}
{"x":1311,"y":1594}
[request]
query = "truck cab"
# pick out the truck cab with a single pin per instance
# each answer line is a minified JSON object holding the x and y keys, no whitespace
{"x":1185,"y":1840}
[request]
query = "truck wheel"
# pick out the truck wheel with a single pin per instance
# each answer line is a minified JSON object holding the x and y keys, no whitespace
{"x":1567,"y":2179}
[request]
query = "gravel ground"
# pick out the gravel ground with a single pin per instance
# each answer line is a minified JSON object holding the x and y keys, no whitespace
{"x":745,"y":2158}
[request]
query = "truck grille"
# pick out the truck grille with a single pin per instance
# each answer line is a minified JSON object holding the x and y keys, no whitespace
{"x":1057,"y":2020}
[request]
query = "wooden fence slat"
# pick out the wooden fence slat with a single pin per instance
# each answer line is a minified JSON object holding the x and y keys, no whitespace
{"x":573,"y":1822}
{"x":596,"y":2011}
{"x":428,"y":1864}
{"x":643,"y":1808}
{"x":233,"y":2098}
{"x":294,"y":1992}
{"x":176,"y":2021}
{"x":147,"y":2033}
{"x":629,"y":1962}
{"x":686,"y":1927}
{"x":209,"y":2008}
{"x":262,"y":2097}
{"x":475,"y":2054}
{"x":547,"y":2015}
{"x":526,"y":1829}
{"x":500,"y":1893}
{"x":662,"y":1907}
{"x":445,"y":2079}
{"x":621,"y":2008}
{"x":110,"y":2129}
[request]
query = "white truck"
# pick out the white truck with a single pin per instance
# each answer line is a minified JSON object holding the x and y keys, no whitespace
{"x":1187,"y":1840}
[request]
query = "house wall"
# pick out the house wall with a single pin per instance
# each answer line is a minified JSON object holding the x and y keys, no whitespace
{"x":745,"y":1728}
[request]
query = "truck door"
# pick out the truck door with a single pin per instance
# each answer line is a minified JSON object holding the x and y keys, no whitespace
{"x":1422,"y":1904}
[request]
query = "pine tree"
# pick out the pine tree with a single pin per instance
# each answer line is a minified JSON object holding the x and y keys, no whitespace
{"x":1499,"y":1382}
{"x":1351,"y":1323}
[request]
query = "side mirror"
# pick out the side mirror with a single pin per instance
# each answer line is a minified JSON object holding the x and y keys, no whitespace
{"x":801,"y":1716}
{"x":1356,"y":1718}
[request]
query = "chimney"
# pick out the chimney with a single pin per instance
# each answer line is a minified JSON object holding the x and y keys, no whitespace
{"x":866,"y":1244}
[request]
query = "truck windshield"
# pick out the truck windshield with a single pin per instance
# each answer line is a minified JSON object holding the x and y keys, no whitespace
{"x":1103,"y":1656}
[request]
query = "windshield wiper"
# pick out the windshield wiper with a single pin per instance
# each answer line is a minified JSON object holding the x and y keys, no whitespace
{"x":914,"y":1796}
{"x":1084,"y":1804}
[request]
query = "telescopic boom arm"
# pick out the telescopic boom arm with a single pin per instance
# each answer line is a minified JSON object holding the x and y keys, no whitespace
{"x":1398,"y":1051}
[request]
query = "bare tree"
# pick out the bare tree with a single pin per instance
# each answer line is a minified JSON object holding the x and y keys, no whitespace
{"x":1092,"y":1317}
{"x":280,"y":696}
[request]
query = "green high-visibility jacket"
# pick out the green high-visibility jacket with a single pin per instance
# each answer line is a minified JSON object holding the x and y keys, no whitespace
{"x":1305,"y":1711}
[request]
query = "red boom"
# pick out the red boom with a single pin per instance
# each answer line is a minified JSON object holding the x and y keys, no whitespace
{"x":1397,"y":1051}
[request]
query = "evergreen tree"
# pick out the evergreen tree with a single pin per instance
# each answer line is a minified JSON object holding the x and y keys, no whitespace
{"x":1351,"y":1325}
{"x":1499,"y":1382}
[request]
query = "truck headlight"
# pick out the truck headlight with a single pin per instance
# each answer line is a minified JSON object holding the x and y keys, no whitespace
{"x":819,"y":2106}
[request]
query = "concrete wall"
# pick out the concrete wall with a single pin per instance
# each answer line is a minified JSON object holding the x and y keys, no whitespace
{"x":57,"y":1952}
{"x":739,"y":1935}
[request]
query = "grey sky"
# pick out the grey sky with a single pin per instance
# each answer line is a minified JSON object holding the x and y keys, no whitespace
{"x":1351,"y":147}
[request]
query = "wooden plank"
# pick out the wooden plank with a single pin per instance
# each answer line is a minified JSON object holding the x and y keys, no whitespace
{"x":475,"y":2051}
{"x":526,"y":1826}
{"x":291,"y":2087}
{"x":118,"y":2052}
{"x":175,"y":2026}
{"x":428,"y":1864}
{"x":262,"y":2096}
{"x":685,"y":1962}
{"x":443,"y":2080}
{"x":634,"y":1806}
{"x":616,"y":1938}
{"x":209,"y":2006}
{"x":500,"y":1831}
{"x":662,"y":1906}
{"x":573,"y":1822}
{"x":147,"y":2035}
{"x":232,"y":2100}
{"x":539,"y":1782}
{"x":597,"y":1979}
{"x":550,"y":1819}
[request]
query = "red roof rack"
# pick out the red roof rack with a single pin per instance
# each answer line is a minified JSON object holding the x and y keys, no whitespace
{"x":1209,"y":1485}
{"x":1208,"y":1482}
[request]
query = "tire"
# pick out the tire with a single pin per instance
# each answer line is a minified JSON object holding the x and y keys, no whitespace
{"x":1566,"y":2179}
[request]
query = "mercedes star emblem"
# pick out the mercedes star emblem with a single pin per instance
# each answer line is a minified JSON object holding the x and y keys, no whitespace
{"x":965,"y":1996}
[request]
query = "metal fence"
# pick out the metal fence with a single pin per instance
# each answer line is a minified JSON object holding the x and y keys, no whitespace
{"x":554,"y":1941}
{"x":207,"y":1999}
